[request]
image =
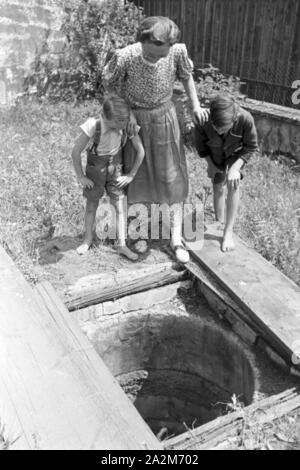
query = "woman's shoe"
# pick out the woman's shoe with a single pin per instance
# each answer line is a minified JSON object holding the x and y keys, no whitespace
{"x":181,"y":253}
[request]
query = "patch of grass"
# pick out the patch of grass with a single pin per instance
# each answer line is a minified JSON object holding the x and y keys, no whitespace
{"x":5,"y":441}
{"x":40,"y":196}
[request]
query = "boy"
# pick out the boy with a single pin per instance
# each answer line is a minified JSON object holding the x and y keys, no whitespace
{"x":227,"y":141}
{"x":104,"y":166}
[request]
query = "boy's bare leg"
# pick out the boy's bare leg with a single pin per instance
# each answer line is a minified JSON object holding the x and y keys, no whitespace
{"x":121,"y":230}
{"x":89,"y":221}
{"x":219,"y":202}
{"x":233,"y":198}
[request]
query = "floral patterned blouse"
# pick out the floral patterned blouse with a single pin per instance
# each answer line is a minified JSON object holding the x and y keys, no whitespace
{"x":142,"y":83}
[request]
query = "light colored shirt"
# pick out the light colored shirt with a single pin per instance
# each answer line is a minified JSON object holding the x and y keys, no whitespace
{"x":110,"y":139}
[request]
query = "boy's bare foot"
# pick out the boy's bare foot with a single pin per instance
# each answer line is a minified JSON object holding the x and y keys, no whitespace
{"x":84,"y":247}
{"x":125,"y":251}
{"x":141,"y":246}
{"x":228,"y":243}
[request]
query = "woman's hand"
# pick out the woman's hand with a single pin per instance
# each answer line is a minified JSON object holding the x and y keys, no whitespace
{"x":233,"y":178}
{"x":200,"y":115}
{"x":86,"y":182}
{"x":132,"y":126}
{"x":124,"y":180}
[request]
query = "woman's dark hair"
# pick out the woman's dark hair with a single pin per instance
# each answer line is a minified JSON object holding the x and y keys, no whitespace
{"x":223,"y":110}
{"x":158,"y":29}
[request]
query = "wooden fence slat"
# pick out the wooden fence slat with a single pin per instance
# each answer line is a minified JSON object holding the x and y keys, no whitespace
{"x":255,"y":39}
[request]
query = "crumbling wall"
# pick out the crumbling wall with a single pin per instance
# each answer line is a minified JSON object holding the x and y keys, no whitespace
{"x":278,"y":128}
{"x":24,"y":26}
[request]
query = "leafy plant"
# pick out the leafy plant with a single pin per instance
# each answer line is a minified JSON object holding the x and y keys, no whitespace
{"x":209,"y":82}
{"x":92,"y":31}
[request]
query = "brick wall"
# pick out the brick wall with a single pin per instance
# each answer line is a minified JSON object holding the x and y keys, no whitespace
{"x":24,"y":25}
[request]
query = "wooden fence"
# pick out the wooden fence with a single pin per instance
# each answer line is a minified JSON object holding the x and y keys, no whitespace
{"x":257,"y":40}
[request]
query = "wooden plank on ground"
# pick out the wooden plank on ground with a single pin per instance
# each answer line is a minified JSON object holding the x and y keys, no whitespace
{"x":231,"y":425}
{"x":55,"y":391}
{"x":131,"y":303}
{"x":269,"y":299}
{"x":94,"y":289}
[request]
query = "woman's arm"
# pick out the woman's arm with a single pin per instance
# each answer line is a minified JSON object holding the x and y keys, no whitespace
{"x":132,"y":126}
{"x":200,"y":115}
{"x":140,"y":154}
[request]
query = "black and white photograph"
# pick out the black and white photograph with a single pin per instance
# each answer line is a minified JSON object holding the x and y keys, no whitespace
{"x":149,"y":227}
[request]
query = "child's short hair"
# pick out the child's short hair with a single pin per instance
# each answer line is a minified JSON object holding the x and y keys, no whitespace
{"x":158,"y":29}
{"x":223,"y":110}
{"x":115,"y":107}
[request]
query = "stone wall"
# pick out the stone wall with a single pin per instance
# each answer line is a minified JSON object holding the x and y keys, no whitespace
{"x":278,"y":128}
{"x":24,"y":26}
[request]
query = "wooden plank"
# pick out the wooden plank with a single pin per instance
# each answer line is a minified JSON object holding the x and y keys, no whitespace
{"x":295,"y":53}
{"x":131,"y":303}
{"x":237,"y":39}
{"x":269,"y":298}
{"x":222,"y":304}
{"x":221,"y":429}
{"x":197,"y":32}
{"x":276,"y":40}
{"x":208,"y":32}
{"x":93,"y":289}
{"x":247,"y":66}
{"x":55,"y":391}
{"x":226,"y":37}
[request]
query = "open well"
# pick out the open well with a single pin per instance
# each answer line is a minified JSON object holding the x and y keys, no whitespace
{"x":180,"y":372}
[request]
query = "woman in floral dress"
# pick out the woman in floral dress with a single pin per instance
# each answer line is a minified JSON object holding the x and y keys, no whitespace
{"x":144,"y":74}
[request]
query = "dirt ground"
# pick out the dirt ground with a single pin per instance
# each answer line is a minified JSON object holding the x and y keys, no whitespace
{"x":62,"y":266}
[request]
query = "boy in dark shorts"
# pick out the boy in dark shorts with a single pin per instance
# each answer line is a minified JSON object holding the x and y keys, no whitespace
{"x":227,"y":141}
{"x":105,"y":138}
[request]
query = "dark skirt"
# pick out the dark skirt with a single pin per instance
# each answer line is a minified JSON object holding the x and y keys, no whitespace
{"x":162,"y":177}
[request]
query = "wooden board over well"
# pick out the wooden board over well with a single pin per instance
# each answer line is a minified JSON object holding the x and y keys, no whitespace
{"x":268,"y":297}
{"x":55,"y":391}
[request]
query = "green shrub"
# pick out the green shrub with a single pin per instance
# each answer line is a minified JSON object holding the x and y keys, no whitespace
{"x":92,"y":32}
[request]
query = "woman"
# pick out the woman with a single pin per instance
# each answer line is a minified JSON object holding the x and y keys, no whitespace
{"x":144,"y":74}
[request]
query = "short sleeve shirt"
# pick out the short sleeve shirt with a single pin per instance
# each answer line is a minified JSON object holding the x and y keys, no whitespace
{"x":142,"y":83}
{"x":110,"y":139}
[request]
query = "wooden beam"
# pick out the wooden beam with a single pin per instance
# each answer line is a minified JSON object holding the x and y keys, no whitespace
{"x":55,"y":391}
{"x":263,"y":294}
{"x":91,"y":290}
{"x":231,"y":425}
{"x":131,"y":303}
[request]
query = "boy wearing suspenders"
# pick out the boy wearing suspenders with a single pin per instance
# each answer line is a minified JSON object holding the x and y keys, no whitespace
{"x":105,"y":138}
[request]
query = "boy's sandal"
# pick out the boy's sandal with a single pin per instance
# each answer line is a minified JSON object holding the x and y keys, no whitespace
{"x":181,"y":253}
{"x":125,"y":251}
